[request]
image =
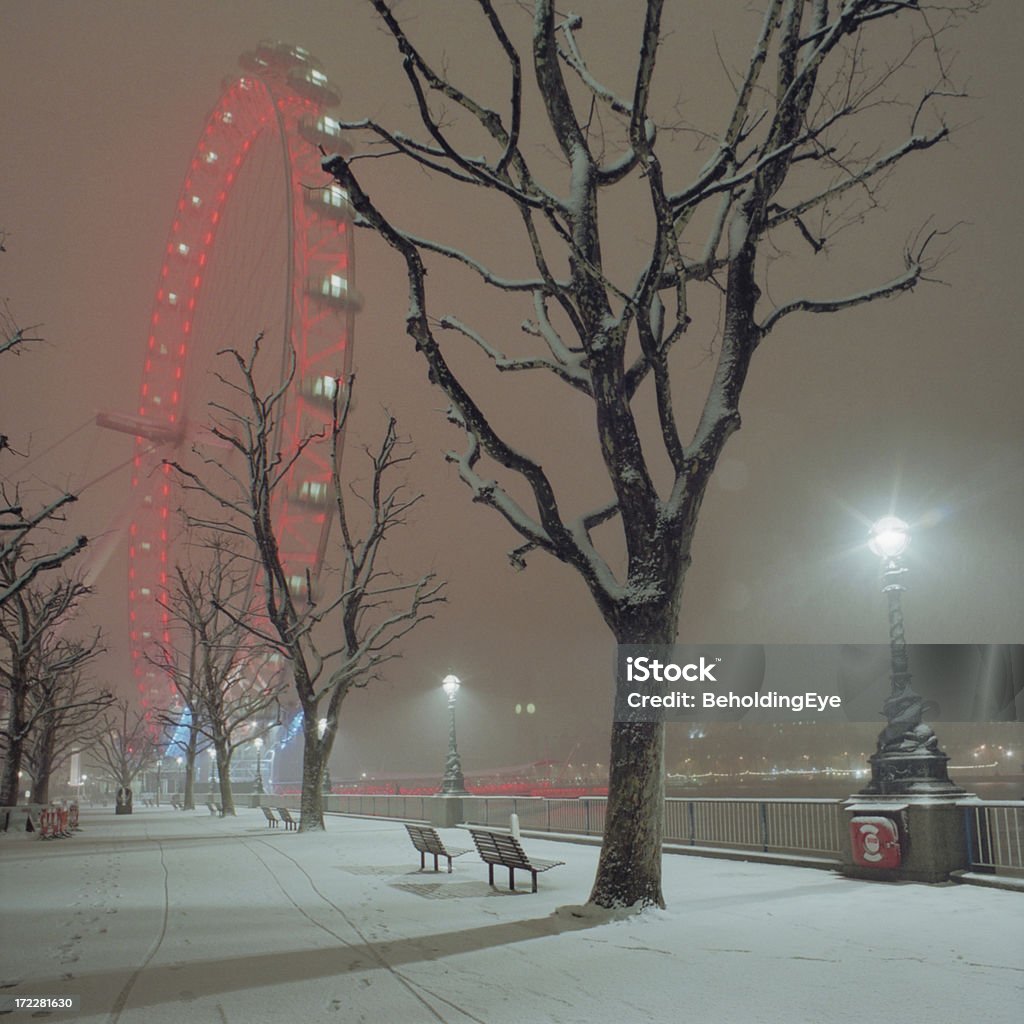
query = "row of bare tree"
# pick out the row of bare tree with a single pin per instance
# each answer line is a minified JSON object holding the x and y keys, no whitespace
{"x":241,"y":634}
{"x":48,"y":704}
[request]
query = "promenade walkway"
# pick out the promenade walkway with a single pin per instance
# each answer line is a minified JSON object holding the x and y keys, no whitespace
{"x":168,"y":917}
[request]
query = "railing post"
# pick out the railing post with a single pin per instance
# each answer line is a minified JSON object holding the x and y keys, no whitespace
{"x":586,"y":815}
{"x":764,"y":826}
{"x":968,"y":836}
{"x":692,"y":814}
{"x":547,"y":808}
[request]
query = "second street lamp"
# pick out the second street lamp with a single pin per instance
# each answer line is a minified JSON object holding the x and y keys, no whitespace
{"x":453,"y":783}
{"x":907,"y":759}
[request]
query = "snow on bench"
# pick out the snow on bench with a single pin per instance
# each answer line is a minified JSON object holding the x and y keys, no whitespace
{"x":289,"y":821}
{"x":426,"y":840}
{"x":504,"y":850}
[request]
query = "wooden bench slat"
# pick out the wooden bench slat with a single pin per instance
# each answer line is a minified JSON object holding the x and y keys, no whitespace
{"x":427,"y":841}
{"x":503,"y":850}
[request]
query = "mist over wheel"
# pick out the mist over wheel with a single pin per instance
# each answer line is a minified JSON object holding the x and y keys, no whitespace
{"x":257,"y":244}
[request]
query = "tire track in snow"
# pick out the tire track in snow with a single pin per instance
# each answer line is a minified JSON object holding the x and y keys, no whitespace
{"x":122,"y":996}
{"x":415,"y":989}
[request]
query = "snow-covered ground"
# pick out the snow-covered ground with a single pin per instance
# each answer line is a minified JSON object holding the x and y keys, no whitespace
{"x":167,"y":917}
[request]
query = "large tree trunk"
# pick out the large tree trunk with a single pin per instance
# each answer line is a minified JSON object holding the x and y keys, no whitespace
{"x":227,"y":798}
{"x":629,"y":868}
{"x":10,"y":791}
{"x":41,"y":789}
{"x":44,"y":767}
{"x":314,"y":762}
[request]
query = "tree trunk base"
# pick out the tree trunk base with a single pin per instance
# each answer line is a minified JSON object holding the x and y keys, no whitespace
{"x":629,"y":870}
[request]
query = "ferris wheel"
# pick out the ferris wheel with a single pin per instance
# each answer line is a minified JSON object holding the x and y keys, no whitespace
{"x":256,"y":244}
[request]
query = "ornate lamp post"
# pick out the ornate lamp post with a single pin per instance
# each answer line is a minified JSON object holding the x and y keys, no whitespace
{"x":258,"y":744}
{"x":453,"y":784}
{"x":907,"y":759}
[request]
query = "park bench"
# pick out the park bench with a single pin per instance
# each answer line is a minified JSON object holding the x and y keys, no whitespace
{"x":269,"y":815}
{"x":212,"y":807}
{"x":175,"y":804}
{"x":502,"y":849}
{"x":289,"y":821}
{"x":426,"y":840}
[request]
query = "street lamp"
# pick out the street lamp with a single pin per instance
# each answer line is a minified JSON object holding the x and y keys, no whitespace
{"x":258,"y":744}
{"x":453,"y":784}
{"x":907,"y":759}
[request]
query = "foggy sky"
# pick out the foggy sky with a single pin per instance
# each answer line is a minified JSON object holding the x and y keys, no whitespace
{"x":912,"y":406}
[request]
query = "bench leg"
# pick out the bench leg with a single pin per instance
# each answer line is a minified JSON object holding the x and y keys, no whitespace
{"x":449,"y":865}
{"x":436,"y":868}
{"x":534,"y":873}
{"x":490,"y":874}
{"x":423,"y":860}
{"x":511,"y":879}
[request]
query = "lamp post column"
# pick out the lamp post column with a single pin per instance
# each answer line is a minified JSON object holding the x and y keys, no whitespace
{"x":453,"y":783}
{"x":907,"y":759}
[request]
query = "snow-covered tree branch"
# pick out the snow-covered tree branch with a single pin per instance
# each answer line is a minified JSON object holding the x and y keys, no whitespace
{"x":336,"y":631}
{"x":830,"y":100}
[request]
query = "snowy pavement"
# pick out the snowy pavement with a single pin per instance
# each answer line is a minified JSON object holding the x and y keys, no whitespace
{"x":169,"y":917}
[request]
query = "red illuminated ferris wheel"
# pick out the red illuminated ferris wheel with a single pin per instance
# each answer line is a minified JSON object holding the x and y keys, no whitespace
{"x":256,"y":244}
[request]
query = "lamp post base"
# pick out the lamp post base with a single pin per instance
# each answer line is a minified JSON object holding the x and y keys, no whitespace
{"x":453,"y":786}
{"x":910,"y":773}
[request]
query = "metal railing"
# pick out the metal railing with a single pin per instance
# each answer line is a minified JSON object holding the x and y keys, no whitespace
{"x":770,"y":826}
{"x":799,"y":829}
{"x":995,"y":836}
{"x":809,"y":827}
{"x":407,"y":808}
{"x":577,"y":815}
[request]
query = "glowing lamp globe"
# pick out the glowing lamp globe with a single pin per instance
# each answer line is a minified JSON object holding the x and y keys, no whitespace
{"x":450,"y":685}
{"x":889,"y":537}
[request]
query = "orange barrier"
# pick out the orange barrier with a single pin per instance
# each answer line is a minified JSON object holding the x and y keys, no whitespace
{"x":56,"y":822}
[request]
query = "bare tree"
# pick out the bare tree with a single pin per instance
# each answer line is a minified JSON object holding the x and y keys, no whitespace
{"x":18,"y":524}
{"x":69,"y":712}
{"x":125,"y":745}
{"x":179,"y":662}
{"x":796,"y":154}
{"x":33,"y":652}
{"x":187,"y":716}
{"x":336,"y":642}
{"x":232,"y":679}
